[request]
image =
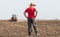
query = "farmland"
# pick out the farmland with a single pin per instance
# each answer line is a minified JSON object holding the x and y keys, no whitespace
{"x":46,"y":28}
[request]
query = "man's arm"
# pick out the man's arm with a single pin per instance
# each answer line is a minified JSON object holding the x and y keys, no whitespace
{"x":36,"y":13}
{"x":25,"y":14}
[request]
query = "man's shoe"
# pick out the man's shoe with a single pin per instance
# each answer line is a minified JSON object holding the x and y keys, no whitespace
{"x":29,"y":33}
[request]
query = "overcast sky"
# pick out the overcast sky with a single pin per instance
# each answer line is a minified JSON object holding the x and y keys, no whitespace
{"x":47,"y":9}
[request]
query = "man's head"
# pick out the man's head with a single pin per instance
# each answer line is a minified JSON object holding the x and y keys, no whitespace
{"x":32,"y":4}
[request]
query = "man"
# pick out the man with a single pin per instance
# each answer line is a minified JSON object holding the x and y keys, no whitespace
{"x":32,"y":13}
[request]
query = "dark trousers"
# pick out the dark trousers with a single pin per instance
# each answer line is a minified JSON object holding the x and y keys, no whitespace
{"x":32,"y":22}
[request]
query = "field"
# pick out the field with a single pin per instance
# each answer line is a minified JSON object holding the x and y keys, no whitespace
{"x":46,"y":28}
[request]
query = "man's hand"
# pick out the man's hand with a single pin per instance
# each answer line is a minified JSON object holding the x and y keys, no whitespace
{"x":26,"y":17}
